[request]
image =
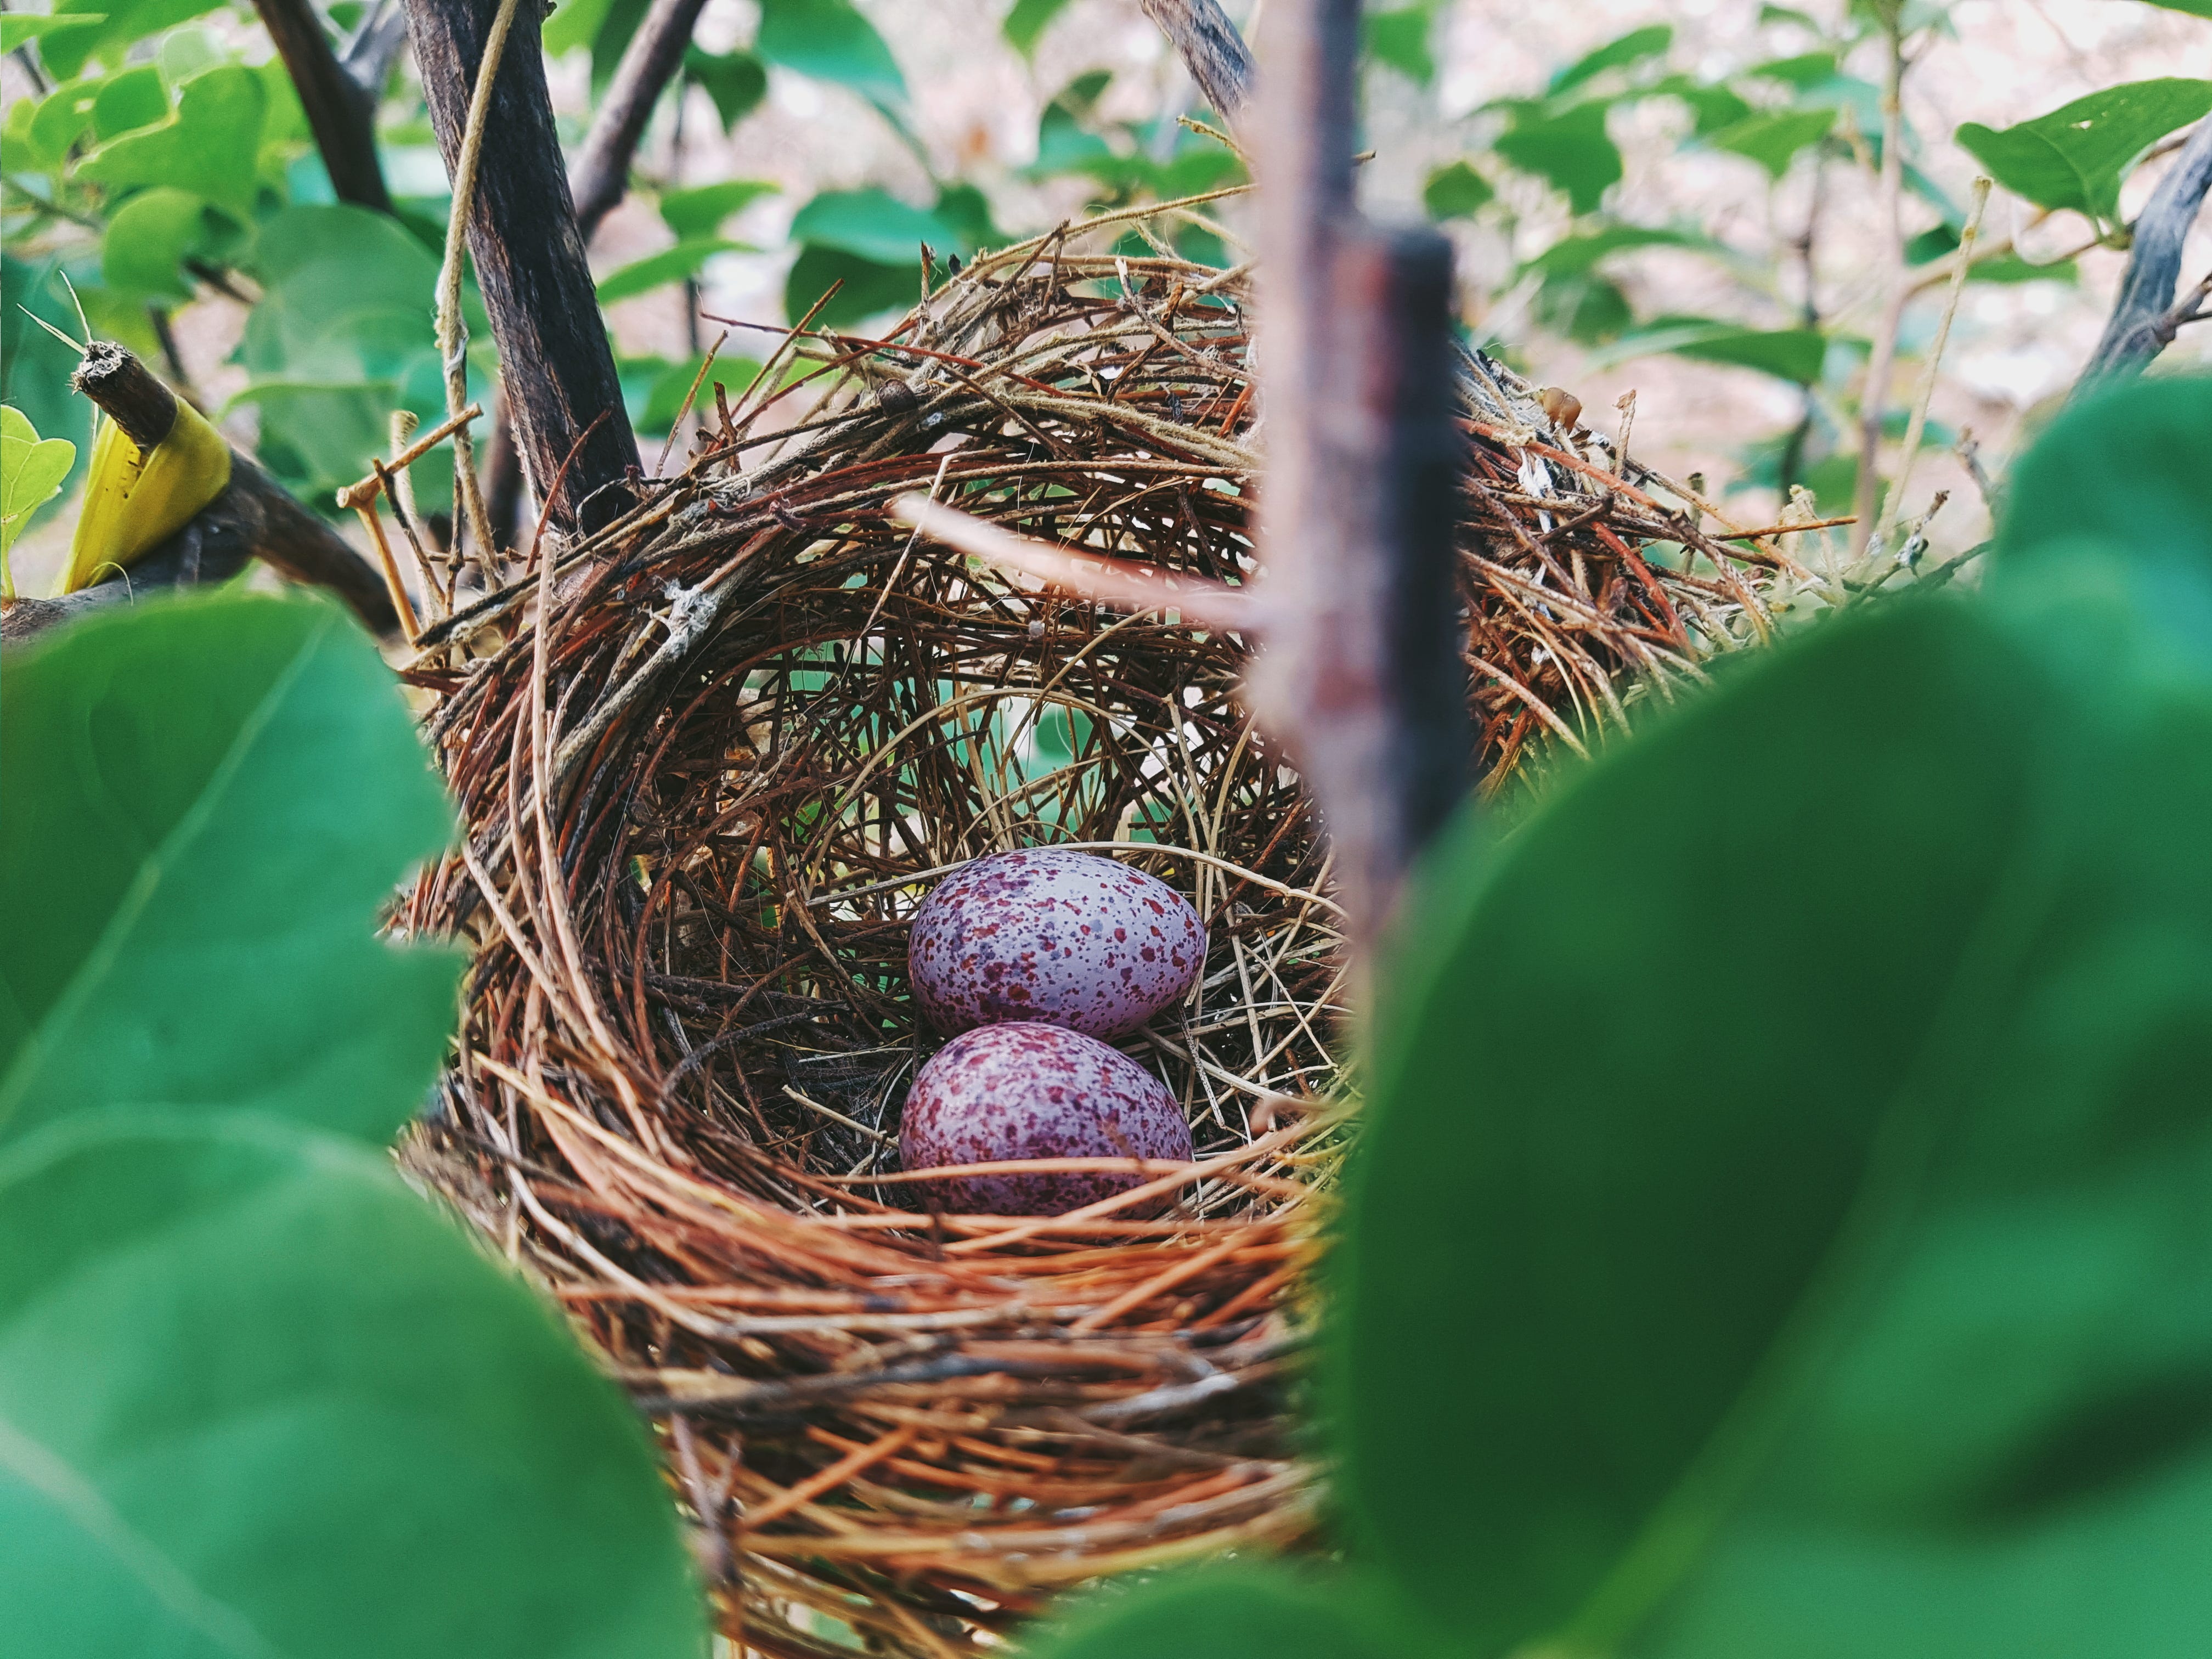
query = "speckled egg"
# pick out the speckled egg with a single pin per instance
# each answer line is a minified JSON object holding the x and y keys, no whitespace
{"x":1002,"y":1092}
{"x":1043,"y":935}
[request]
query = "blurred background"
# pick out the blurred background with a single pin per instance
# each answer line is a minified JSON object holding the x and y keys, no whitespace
{"x":1675,"y":197}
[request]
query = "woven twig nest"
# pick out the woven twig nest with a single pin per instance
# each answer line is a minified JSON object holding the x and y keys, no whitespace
{"x":770,"y":718}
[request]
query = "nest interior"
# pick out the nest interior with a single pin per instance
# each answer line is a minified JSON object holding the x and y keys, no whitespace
{"x":709,"y":761}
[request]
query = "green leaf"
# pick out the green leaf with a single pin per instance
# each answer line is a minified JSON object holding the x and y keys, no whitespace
{"x":876,"y":226}
{"x":663,"y":400}
{"x":2125,"y":466}
{"x":1571,"y":150}
{"x":671,"y":265}
{"x":2076,"y":156}
{"x":1940,"y":240}
{"x":1571,"y":255}
{"x":1637,"y":45}
{"x":1028,"y":21}
{"x":830,"y":41}
{"x":1401,"y":38}
{"x":31,"y":470}
{"x":701,"y":211}
{"x":257,"y":1398}
{"x":1455,"y":192}
{"x":210,"y":146}
{"x":1774,"y":140}
{"x":2194,"y":8}
{"x":17,"y":30}
{"x":1876,"y":1326}
{"x":870,"y":288}
{"x":1712,"y":108}
{"x":1805,"y":70}
{"x":34,"y":367}
{"x":736,"y":81}
{"x":207,"y":800}
{"x":126,"y":102}
{"x":616,"y":31}
{"x":1794,"y":354}
{"x":574,"y":23}
{"x":1242,"y":1610}
{"x":148,"y":238}
{"x":64,"y":52}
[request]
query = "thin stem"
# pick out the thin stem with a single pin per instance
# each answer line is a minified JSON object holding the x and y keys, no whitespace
{"x":1874,"y":399}
{"x":1926,"y":390}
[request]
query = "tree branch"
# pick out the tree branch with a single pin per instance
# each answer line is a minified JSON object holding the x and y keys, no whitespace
{"x":651,"y":60}
{"x":1362,"y":677}
{"x":557,"y":366}
{"x":341,"y":112}
{"x":2136,"y":332}
{"x":1212,"y":50}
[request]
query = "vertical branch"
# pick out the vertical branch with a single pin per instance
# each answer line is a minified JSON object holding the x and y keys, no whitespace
{"x":557,"y":368}
{"x":1363,"y":677}
{"x":341,"y":111}
{"x":1874,"y":402}
{"x":601,"y":171}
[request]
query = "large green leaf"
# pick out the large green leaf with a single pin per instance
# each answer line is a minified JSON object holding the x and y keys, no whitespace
{"x":1399,"y":38}
{"x":1569,"y":149}
{"x":205,"y":801}
{"x":2076,"y":157}
{"x":16,"y":30}
{"x":830,"y":41}
{"x":258,"y":1398}
{"x":735,"y":80}
{"x":210,"y":146}
{"x":1811,"y":1331}
{"x":1241,"y":1611}
{"x":148,"y":238}
{"x":2127,"y":467}
{"x":64,"y":51}
{"x":868,"y":288}
{"x":876,"y":225}
{"x":1794,"y":354}
{"x":35,"y":367}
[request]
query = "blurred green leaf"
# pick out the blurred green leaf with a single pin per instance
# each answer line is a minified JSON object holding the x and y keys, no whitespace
{"x":1940,"y":240}
{"x":1712,"y":108}
{"x":870,"y":288}
{"x":1795,"y":355}
{"x":1028,"y":21}
{"x":1455,"y":192}
{"x":574,"y":23}
{"x":1634,"y":47}
{"x":17,"y":30}
{"x":1774,"y":140}
{"x":259,"y":1398}
{"x":701,"y":211}
{"x":663,"y":400}
{"x":1807,"y":70}
{"x":125,"y":101}
{"x":1571,"y":255}
{"x":210,"y":146}
{"x":1240,"y":1610}
{"x":1401,"y":38}
{"x":231,"y":786}
{"x":64,"y":52}
{"x":876,"y":226}
{"x":2127,"y":466}
{"x":1571,"y":150}
{"x":830,"y":41}
{"x":34,"y":367}
{"x":671,"y":264}
{"x":1585,"y":307}
{"x":32,"y":469}
{"x":736,"y":81}
{"x":149,"y":237}
{"x":1880,"y":1320}
{"x":2194,"y":8}
{"x":2076,"y":156}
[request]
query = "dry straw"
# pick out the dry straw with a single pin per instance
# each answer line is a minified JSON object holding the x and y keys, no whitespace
{"x":709,"y":761}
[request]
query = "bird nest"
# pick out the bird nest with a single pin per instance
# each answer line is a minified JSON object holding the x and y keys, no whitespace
{"x":709,"y":761}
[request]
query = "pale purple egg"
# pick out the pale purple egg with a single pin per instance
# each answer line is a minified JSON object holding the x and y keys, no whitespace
{"x":1004,"y":1093}
{"x":1044,"y":934}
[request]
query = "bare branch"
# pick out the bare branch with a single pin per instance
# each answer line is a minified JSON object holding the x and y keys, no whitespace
{"x":2137,"y":331}
{"x":557,"y":366}
{"x":341,"y":112}
{"x":654,"y":53}
{"x":376,"y":46}
{"x":1363,"y":677}
{"x":1212,"y":50}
